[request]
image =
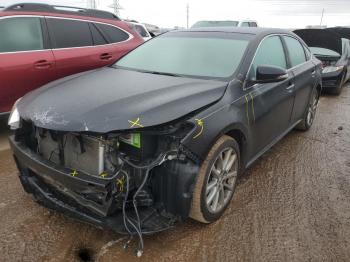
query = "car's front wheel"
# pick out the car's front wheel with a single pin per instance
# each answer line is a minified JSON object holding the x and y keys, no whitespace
{"x":216,"y":181}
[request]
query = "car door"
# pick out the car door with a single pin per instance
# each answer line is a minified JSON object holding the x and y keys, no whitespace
{"x":270,"y":104}
{"x":304,"y":74}
{"x":26,"y":62}
{"x":74,"y":48}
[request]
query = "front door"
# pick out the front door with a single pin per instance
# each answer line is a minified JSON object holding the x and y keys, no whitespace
{"x":271,"y":103}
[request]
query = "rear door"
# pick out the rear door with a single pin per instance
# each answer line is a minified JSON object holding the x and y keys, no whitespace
{"x":271,"y":103}
{"x":26,"y":62}
{"x":74,"y":48}
{"x":304,"y":73}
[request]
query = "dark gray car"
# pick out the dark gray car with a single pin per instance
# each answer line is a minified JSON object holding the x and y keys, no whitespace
{"x":164,"y":133}
{"x":332,"y":47}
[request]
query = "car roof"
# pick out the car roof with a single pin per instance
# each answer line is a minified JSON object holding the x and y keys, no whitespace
{"x":241,"y":30}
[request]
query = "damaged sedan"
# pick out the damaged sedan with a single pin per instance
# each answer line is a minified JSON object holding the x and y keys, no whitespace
{"x":332,"y":47}
{"x":164,"y":133}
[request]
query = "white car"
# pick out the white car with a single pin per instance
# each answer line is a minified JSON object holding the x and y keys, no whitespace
{"x":225,"y":23}
{"x":141,"y":30}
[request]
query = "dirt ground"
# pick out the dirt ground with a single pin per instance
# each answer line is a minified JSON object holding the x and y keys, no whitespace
{"x":292,"y":205}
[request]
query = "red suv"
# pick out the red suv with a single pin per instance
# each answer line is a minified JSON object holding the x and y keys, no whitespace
{"x":40,"y":43}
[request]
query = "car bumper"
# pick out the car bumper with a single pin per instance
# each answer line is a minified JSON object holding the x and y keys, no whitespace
{"x":56,"y":189}
{"x":332,"y":80}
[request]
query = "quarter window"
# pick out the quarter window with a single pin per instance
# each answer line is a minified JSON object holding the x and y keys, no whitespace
{"x":270,"y":53}
{"x":296,"y":51}
{"x":69,"y":33}
{"x":21,"y":34}
{"x":114,"y":34}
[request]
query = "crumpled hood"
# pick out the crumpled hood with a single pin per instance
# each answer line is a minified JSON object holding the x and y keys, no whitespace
{"x":110,"y":99}
{"x":321,"y":38}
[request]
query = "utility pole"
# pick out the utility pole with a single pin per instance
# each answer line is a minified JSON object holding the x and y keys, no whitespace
{"x":91,"y":4}
{"x":322,"y":16}
{"x":188,"y":13}
{"x":116,"y":7}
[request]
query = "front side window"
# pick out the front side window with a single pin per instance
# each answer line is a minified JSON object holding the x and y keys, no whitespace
{"x":20,"y":34}
{"x":188,"y":54}
{"x":69,"y":33}
{"x":245,"y":24}
{"x":270,"y":53}
{"x":296,"y":51}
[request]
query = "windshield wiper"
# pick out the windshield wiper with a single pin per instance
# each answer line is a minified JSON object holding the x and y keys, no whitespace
{"x":162,"y":73}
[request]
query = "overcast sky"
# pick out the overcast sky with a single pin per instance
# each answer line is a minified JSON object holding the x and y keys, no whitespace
{"x":268,"y":13}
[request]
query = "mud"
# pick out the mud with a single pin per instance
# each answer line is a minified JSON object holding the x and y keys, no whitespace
{"x":292,"y":205}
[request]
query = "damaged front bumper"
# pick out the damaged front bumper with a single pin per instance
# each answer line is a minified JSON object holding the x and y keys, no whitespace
{"x":90,"y":198}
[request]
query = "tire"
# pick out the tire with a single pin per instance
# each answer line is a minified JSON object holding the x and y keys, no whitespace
{"x":310,"y":112}
{"x":224,"y":148}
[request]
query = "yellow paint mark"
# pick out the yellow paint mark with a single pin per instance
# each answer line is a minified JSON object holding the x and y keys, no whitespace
{"x":103,"y":175}
{"x":135,"y":123}
{"x":201,"y":125}
{"x":74,"y":173}
{"x":253,"y":109}
{"x":247,"y":109}
{"x":120,"y":183}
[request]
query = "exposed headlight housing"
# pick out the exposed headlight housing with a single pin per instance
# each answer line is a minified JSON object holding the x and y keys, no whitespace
{"x":330,"y":69}
{"x":14,"y":120}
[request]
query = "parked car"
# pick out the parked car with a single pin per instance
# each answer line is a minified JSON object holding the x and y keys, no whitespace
{"x":227,"y":23}
{"x":334,"y":52}
{"x":141,"y":30}
{"x":40,"y":43}
{"x":162,"y":136}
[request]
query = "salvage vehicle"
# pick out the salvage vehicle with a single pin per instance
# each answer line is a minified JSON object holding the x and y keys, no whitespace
{"x":141,"y":30}
{"x":334,"y":52}
{"x":162,"y":136}
{"x":40,"y":43}
{"x":225,"y":23}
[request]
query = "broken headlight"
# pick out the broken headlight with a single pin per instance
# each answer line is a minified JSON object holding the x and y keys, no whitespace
{"x":14,"y":120}
{"x":330,"y":69}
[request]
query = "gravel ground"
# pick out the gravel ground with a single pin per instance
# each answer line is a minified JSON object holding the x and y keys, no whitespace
{"x":292,"y":205}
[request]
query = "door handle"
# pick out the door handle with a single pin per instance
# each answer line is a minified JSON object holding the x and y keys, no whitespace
{"x":290,"y":87}
{"x":42,"y":64}
{"x":106,"y":56}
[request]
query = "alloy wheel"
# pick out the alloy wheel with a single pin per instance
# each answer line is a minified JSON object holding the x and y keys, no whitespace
{"x":221,"y":180}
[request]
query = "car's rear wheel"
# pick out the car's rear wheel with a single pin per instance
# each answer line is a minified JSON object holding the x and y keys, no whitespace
{"x":216,"y":181}
{"x":310,"y":113}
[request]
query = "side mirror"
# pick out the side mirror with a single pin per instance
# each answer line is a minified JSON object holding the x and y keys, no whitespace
{"x":270,"y":74}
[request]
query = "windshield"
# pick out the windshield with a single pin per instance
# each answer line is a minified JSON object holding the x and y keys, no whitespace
{"x":188,"y":55}
{"x":323,"y":51}
{"x":215,"y":24}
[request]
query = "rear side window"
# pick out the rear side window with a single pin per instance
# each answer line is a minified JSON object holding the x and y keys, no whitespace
{"x":114,"y":34}
{"x":270,"y":53}
{"x":296,"y":51}
{"x":20,"y":34}
{"x":69,"y":33}
{"x":253,"y":24}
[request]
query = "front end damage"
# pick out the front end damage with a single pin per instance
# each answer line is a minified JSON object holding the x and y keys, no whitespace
{"x":135,"y":182}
